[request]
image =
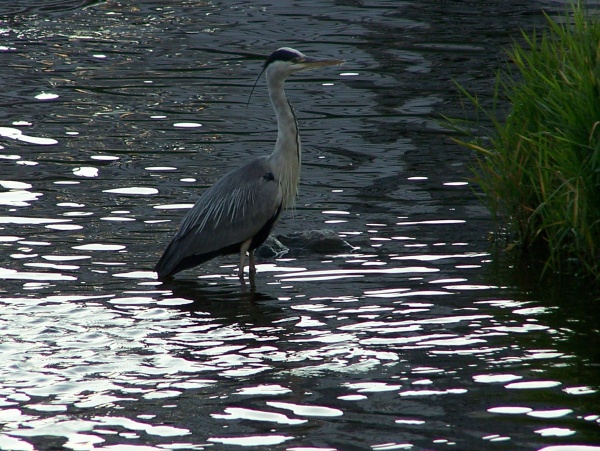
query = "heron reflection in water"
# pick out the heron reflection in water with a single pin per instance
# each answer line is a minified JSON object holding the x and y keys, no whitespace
{"x":238,"y":212}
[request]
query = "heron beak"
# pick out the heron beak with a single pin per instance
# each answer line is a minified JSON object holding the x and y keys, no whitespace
{"x":311,"y":63}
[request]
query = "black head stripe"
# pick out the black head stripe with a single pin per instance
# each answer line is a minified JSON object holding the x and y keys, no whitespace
{"x":281,"y":55}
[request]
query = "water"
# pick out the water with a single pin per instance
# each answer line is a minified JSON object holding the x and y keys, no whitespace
{"x":115,"y":117}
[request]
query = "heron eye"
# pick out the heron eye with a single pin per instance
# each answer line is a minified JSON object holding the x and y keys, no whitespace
{"x":296,"y":60}
{"x":269,"y":177}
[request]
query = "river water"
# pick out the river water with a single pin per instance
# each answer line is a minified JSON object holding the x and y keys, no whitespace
{"x":418,"y":335}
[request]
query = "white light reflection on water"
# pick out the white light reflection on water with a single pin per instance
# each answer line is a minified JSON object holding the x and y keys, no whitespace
{"x":432,"y":222}
{"x":85,"y":171}
{"x":16,"y":134}
{"x":580,"y":390}
{"x":236,"y":413}
{"x":187,"y":125}
{"x":556,"y":413}
{"x":46,"y":96}
{"x":439,"y":257}
{"x":144,"y":352}
{"x":173,"y":207}
{"x":449,"y":391}
{"x":510,"y":410}
{"x":133,"y":190}
{"x":570,"y":448}
{"x":18,"y":198}
{"x":32,"y":221}
{"x":391,"y":446}
{"x":333,"y":274}
{"x":372,"y":387}
{"x":306,"y":410}
{"x":72,"y":430}
{"x":10,"y":184}
{"x":11,"y":274}
{"x":555,"y":432}
{"x":99,"y":247}
{"x":496,"y":378}
{"x":263,"y":389}
{"x":65,"y":257}
{"x":254,"y":440}
{"x":104,"y":157}
{"x":532,"y":385}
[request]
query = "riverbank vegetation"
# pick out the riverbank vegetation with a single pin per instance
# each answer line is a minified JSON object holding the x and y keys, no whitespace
{"x":539,"y":164}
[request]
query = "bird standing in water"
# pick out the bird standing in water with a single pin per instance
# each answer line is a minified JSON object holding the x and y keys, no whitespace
{"x":237,"y":213}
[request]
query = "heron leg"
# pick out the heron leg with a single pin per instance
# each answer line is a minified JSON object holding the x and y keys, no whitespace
{"x":251,"y":262}
{"x":243,"y":249}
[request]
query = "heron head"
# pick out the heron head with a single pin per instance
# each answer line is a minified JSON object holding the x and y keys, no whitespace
{"x":288,"y":61}
{"x":285,"y":61}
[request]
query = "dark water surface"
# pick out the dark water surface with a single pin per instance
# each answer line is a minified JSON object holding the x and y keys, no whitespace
{"x":116,"y":115}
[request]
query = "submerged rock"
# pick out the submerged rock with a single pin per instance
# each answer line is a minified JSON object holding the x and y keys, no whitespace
{"x":271,"y":248}
{"x":321,"y":241}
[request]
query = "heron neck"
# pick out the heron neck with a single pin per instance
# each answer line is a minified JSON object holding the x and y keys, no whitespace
{"x":287,"y":154}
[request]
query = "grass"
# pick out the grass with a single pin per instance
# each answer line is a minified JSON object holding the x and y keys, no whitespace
{"x":539,"y":166}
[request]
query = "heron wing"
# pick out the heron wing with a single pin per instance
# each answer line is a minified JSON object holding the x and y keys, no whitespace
{"x":236,"y":208}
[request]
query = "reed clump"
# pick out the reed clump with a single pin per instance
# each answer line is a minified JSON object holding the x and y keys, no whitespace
{"x":539,"y":166}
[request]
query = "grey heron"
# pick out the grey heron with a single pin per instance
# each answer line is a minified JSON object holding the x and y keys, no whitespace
{"x":238,"y":212}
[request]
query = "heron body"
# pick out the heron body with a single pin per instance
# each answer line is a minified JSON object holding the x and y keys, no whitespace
{"x":237,"y":213}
